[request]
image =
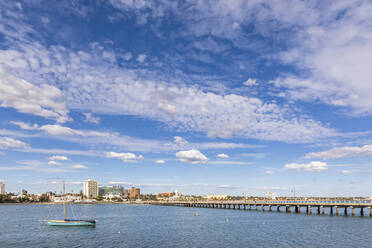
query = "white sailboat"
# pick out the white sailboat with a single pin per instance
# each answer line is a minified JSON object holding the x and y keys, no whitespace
{"x":69,"y":222}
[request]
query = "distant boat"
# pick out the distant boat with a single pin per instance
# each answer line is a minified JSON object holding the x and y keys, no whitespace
{"x":69,"y":222}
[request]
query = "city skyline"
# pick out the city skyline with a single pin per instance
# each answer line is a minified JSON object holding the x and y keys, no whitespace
{"x":210,"y":97}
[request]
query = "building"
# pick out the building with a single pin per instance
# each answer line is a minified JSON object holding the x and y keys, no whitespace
{"x":114,"y":190}
{"x":68,"y":198}
{"x":91,"y":189}
{"x":134,"y":193}
{"x":165,"y":195}
{"x":270,"y":195}
{"x":2,"y":188}
{"x":216,"y":197}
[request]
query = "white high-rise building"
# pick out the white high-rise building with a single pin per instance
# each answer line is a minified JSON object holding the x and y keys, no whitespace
{"x":2,"y":188}
{"x":91,"y":188}
{"x":270,"y":195}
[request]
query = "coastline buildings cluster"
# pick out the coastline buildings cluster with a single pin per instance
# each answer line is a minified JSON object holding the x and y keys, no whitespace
{"x":93,"y":192}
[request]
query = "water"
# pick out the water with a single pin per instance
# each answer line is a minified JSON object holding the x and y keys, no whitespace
{"x":160,"y":226}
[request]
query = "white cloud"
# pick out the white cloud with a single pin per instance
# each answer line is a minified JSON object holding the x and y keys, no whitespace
{"x":58,"y":157}
{"x":78,"y":167}
{"x":59,"y":130}
{"x":160,"y":161}
{"x":44,"y":100}
{"x":127,"y":56}
{"x":230,"y":162}
{"x":120,"y":183}
{"x":36,"y":165}
{"x":191,"y":156}
{"x":71,"y":152}
{"x":126,"y":157}
{"x":180,"y":141}
{"x":334,"y":54}
{"x":6,"y":142}
{"x":90,"y":118}
{"x":44,"y":20}
{"x":269,"y":172}
{"x":342,"y":152}
{"x":345,"y":172}
{"x":223,"y":155}
{"x":53,"y":163}
{"x":312,"y":166}
{"x":141,"y":58}
{"x":105,"y":87}
{"x":250,"y":82}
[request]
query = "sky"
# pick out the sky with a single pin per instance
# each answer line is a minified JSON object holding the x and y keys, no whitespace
{"x":205,"y":97}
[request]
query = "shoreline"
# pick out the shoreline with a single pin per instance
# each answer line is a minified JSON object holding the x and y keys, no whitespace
{"x":75,"y":203}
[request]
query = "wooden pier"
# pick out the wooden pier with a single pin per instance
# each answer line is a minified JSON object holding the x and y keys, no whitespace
{"x":309,"y":207}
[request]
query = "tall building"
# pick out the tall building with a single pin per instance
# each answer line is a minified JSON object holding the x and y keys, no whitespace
{"x":91,"y":189}
{"x":270,"y":195}
{"x":134,"y":193}
{"x":2,"y":188}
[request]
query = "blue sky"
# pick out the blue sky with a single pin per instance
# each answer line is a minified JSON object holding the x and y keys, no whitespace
{"x":225,"y":97}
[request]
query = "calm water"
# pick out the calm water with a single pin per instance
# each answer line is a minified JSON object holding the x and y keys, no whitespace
{"x":157,"y":226}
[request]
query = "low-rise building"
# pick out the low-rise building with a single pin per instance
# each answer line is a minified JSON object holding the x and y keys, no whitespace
{"x":165,"y":195}
{"x":216,"y":197}
{"x":69,"y":198}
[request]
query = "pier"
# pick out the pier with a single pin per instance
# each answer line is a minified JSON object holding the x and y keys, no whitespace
{"x":309,"y":207}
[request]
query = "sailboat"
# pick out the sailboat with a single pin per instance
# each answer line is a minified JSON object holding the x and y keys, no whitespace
{"x":69,"y":222}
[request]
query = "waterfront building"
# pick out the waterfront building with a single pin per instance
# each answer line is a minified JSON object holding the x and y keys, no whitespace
{"x":68,"y":198}
{"x":126,"y":193}
{"x":134,"y":193}
{"x":165,"y":195}
{"x":216,"y":197}
{"x":2,"y":188}
{"x":270,"y":195}
{"x":91,"y":188}
{"x":114,"y":190}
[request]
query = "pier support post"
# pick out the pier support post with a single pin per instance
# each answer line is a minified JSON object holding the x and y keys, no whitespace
{"x":270,"y":208}
{"x":297,"y":209}
{"x":352,"y":211}
{"x":370,"y":211}
{"x":288,"y":209}
{"x":278,"y":208}
{"x":318,"y":209}
{"x":336,"y":210}
{"x":263,"y":207}
{"x":307,"y":209}
{"x":345,"y":211}
{"x":244,"y":206}
{"x":250,"y":207}
{"x":256,"y":207}
{"x":361,"y":211}
{"x":323,"y":209}
{"x":331,"y":210}
{"x":311,"y":209}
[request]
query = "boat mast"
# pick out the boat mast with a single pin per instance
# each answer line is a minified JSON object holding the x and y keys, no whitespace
{"x":64,"y":201}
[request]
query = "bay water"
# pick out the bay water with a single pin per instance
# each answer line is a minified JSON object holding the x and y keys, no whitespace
{"x":124,"y":225}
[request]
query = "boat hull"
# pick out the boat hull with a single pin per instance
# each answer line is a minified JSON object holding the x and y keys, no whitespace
{"x":71,"y":222}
